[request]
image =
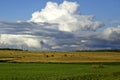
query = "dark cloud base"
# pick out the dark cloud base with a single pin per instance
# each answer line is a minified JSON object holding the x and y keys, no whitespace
{"x":41,"y":36}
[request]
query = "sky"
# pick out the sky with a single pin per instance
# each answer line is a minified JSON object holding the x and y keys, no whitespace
{"x":12,"y":10}
{"x":60,"y":25}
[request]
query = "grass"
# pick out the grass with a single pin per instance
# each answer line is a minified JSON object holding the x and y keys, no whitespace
{"x":58,"y":71}
{"x":64,"y":57}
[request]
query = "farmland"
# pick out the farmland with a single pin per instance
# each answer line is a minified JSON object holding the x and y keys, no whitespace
{"x":58,"y":71}
{"x":63,"y":57}
{"x":27,"y":65}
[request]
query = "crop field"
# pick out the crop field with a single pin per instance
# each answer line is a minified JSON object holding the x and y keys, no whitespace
{"x":58,"y":71}
{"x":63,"y":57}
{"x":26,"y":65}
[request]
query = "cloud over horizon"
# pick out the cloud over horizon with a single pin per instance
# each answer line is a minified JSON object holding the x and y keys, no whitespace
{"x":59,"y":27}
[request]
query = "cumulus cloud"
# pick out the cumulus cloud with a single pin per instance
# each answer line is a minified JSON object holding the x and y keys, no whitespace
{"x":112,"y":33}
{"x":32,"y":36}
{"x":19,"y":41}
{"x":58,"y":27}
{"x":67,"y":16}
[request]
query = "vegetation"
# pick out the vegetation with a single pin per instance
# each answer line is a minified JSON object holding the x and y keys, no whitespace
{"x":10,"y":49}
{"x":58,"y":71}
{"x":27,"y":65}
{"x":106,"y":50}
{"x":102,"y":50}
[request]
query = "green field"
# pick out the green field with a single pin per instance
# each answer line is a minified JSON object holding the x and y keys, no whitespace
{"x":58,"y":71}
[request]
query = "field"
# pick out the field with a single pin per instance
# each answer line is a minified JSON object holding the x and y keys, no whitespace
{"x":63,"y":57}
{"x":57,"y":71}
{"x":26,"y":65}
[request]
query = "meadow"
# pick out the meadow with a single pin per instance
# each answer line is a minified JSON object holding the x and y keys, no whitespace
{"x":58,"y":71}
{"x":27,"y":65}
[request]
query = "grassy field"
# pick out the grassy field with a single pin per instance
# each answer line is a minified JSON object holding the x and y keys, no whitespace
{"x":63,"y":57}
{"x":26,"y":65}
{"x":57,"y":71}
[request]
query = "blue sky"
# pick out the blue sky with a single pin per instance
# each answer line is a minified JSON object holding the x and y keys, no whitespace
{"x":104,"y":10}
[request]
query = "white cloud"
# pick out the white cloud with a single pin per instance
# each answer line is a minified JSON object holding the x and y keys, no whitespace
{"x":18,"y":41}
{"x":66,"y":15}
{"x":112,"y":33}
